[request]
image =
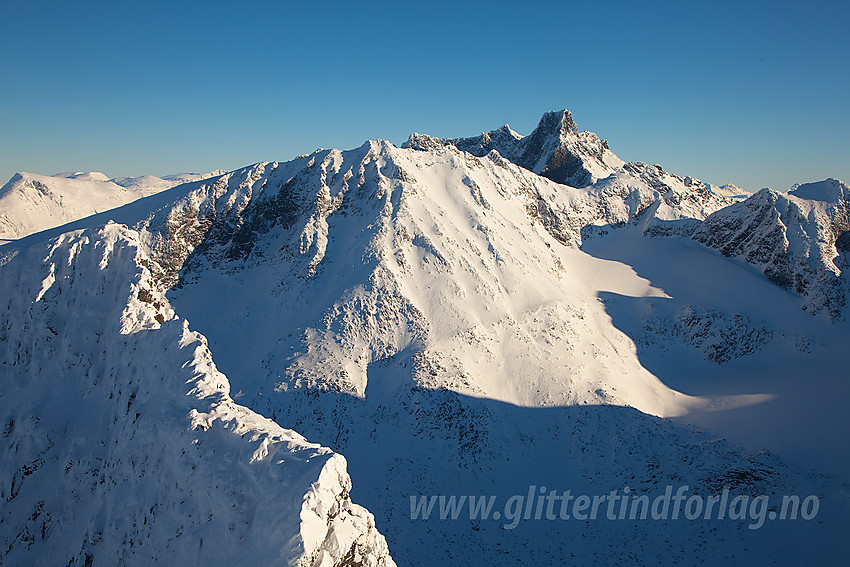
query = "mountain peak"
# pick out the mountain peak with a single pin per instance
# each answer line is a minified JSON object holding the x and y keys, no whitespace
{"x":555,"y":149}
{"x":84,"y":175}
{"x":829,"y":190}
{"x":557,"y":122}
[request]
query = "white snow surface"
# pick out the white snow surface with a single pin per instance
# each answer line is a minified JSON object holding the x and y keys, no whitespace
{"x":453,"y":324}
{"x":31,"y":203}
{"x":121,"y":443}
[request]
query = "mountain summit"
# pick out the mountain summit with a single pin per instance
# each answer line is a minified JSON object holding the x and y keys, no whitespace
{"x":555,"y":149}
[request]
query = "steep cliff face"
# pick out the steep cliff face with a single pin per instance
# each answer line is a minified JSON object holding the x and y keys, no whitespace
{"x":795,"y":239}
{"x":555,"y":149}
{"x":121,"y":443}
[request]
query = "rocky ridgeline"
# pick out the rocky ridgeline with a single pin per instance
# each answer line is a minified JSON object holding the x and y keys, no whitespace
{"x":121,"y":443}
{"x":795,"y":239}
{"x":798,"y":239}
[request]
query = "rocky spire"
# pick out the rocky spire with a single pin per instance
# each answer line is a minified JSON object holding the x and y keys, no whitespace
{"x":555,"y":149}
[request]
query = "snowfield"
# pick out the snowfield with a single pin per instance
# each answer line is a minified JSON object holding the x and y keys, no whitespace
{"x":31,"y":203}
{"x":453,"y":318}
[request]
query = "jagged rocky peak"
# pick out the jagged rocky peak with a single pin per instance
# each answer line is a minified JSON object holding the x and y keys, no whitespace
{"x":794,"y":238}
{"x":557,"y":123}
{"x":555,"y":149}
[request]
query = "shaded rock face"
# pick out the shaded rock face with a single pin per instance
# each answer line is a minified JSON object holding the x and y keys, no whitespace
{"x":555,"y":149}
{"x":720,"y":337}
{"x":565,"y":162}
{"x":798,"y":243}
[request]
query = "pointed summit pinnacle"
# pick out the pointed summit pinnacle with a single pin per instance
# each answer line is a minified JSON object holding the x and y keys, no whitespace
{"x":555,"y":149}
{"x":556,"y":123}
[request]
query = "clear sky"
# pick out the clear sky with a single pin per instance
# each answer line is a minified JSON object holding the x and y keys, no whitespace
{"x":753,"y":93}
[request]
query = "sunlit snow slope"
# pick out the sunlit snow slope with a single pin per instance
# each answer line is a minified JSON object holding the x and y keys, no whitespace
{"x":30,"y":203}
{"x":455,"y":323}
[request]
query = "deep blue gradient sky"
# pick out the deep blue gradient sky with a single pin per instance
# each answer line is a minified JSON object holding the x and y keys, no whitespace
{"x":752,"y":93}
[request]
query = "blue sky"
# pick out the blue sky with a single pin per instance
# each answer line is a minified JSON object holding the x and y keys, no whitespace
{"x":751,"y":93}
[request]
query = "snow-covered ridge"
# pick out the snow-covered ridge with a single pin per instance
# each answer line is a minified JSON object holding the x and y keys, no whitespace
{"x":429,"y":230}
{"x":30,"y":202}
{"x":801,"y":246}
{"x":796,"y":239}
{"x":603,"y":191}
{"x":419,"y":233}
{"x":121,"y":442}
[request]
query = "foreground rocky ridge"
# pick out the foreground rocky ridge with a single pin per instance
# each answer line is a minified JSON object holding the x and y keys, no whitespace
{"x":121,"y":443}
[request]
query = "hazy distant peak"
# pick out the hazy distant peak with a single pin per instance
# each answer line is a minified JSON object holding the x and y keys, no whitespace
{"x":84,"y":175}
{"x":30,"y":202}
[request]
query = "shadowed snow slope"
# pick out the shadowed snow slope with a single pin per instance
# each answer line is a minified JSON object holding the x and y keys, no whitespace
{"x":121,"y":443}
{"x":429,"y":313}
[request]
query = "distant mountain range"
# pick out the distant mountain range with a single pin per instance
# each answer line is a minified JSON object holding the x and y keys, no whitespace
{"x":31,"y":203}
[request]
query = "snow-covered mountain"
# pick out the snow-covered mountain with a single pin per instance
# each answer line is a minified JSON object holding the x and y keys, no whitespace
{"x":30,"y":203}
{"x":450,"y":321}
{"x":122,"y":444}
{"x":799,"y":240}
{"x":556,"y":149}
{"x":613,"y":193}
{"x":794,"y":238}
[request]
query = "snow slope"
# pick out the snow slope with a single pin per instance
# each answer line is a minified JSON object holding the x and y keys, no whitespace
{"x":429,"y":313}
{"x":121,"y":443}
{"x":30,"y":203}
{"x":796,"y":239}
